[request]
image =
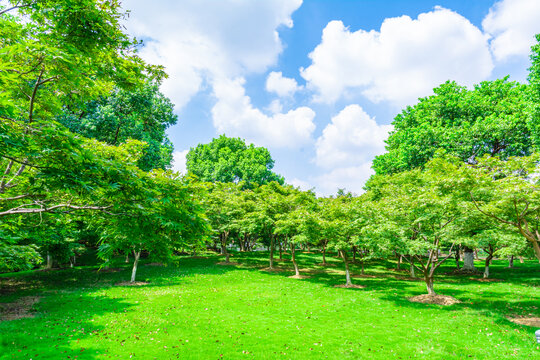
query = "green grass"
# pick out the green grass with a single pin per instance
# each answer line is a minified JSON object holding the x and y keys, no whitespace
{"x":200,"y":310}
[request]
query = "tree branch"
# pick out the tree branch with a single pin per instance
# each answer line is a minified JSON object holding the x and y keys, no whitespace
{"x":22,"y":210}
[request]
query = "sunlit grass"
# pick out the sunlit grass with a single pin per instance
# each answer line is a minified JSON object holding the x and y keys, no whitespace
{"x":200,"y":310}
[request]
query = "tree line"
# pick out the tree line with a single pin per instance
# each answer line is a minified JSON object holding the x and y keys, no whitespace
{"x":85,"y":163}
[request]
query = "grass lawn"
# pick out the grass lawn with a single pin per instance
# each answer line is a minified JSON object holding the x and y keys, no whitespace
{"x":202,"y":310}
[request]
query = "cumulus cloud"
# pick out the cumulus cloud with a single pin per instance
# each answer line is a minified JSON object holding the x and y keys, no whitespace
{"x":234,"y":115}
{"x":199,"y":40}
{"x":283,"y":86}
{"x":351,"y":138}
{"x":346,"y":149}
{"x":179,"y":161}
{"x":512,"y":24}
{"x":402,"y":61}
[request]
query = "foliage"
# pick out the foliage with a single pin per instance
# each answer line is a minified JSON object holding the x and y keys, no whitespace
{"x":231,"y":160}
{"x":490,"y":119}
{"x":140,"y":113}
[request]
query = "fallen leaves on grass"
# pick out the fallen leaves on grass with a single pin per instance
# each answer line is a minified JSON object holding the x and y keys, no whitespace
{"x":19,"y":309}
{"x":487,"y":280}
{"x":435,"y":299}
{"x":528,"y":321}
{"x":135,"y":283}
{"x":353,"y":286}
{"x":299,"y":277}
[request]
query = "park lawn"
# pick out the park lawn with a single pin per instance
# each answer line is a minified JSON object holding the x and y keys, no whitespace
{"x":199,"y":309}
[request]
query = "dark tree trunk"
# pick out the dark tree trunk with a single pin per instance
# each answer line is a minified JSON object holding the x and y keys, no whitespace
{"x":49,"y":261}
{"x":511,"y":261}
{"x":429,"y":283}
{"x":224,"y":251}
{"x":398,"y":265}
{"x":280,"y":251}
{"x":457,"y":259}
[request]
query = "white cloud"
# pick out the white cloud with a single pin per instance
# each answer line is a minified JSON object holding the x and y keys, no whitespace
{"x":352,"y":138}
{"x":283,"y":86}
{"x":234,"y":115}
{"x":346,"y":149}
{"x":405,"y":60}
{"x":200,"y":40}
{"x":179,"y":161}
{"x":512,"y":24}
{"x":350,"y":178}
{"x":303,"y":185}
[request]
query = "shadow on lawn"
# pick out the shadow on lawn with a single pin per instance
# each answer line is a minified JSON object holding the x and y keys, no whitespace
{"x":61,"y":322}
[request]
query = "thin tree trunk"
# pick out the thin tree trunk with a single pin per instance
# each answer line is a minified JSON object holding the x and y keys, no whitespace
{"x":488,"y":262}
{"x":127,"y":258}
{"x":412,"y":268}
{"x":457,"y":258}
{"x":324,"y":254}
{"x":354,"y":254}
{"x":293,"y":257}
{"x":137,"y":255}
{"x":476,"y":254}
{"x":271,"y":251}
{"x":398,"y":265}
{"x":362,"y":263}
{"x":280,"y":250}
{"x":224,"y":246}
{"x":511,"y":261}
{"x":49,"y":261}
{"x":347,"y":273}
{"x":429,"y":284}
{"x":521,"y":260}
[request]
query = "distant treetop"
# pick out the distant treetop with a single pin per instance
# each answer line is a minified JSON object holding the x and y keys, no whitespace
{"x":230,"y":160}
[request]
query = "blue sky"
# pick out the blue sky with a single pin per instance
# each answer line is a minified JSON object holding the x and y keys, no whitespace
{"x":319,"y":82}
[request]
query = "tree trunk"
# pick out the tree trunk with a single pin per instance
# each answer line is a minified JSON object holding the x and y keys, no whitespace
{"x":324,"y":254}
{"x":362,"y":263}
{"x":280,"y":250}
{"x":412,"y":269}
{"x":476,"y":254}
{"x":222,"y":243}
{"x":521,"y":259}
{"x":347,"y":273}
{"x":293,"y":257}
{"x":354,"y":254}
{"x":468,"y":260}
{"x":398,"y":265}
{"x":536,"y":249}
{"x":127,"y":258}
{"x":486,"y":268}
{"x":271,"y":251}
{"x":49,"y":261}
{"x":457,"y":258}
{"x":511,"y":261}
{"x":429,"y":284}
{"x":137,"y":255}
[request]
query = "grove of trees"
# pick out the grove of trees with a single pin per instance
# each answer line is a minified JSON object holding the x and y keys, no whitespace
{"x":85,"y":163}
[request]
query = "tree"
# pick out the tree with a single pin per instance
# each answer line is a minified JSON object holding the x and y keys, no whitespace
{"x":231,"y":160}
{"x":508,"y":192}
{"x":419,"y":206}
{"x":490,"y":119}
{"x":166,"y":215}
{"x":140,"y":113}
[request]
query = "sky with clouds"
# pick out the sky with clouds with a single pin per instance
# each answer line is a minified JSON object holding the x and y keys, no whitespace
{"x":318,"y":82}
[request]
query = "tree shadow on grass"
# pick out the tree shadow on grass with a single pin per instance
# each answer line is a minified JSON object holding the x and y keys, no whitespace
{"x":60,"y":326}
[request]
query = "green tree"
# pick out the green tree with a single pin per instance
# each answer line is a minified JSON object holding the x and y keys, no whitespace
{"x":231,"y":160}
{"x":490,"y":119}
{"x":140,"y":113}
